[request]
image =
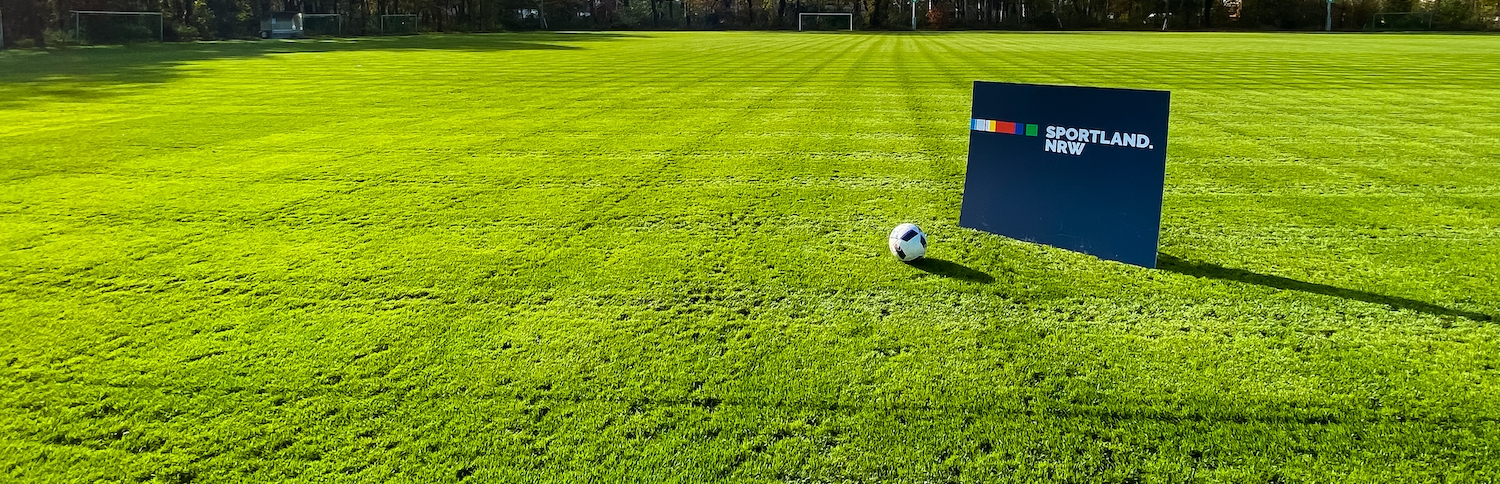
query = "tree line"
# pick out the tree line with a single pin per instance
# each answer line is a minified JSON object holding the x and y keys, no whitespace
{"x":44,"y":22}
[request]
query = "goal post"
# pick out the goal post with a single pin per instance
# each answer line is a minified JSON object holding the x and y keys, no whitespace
{"x":320,"y":23}
{"x":80,"y":15}
{"x":398,"y":23}
{"x":803,"y":16}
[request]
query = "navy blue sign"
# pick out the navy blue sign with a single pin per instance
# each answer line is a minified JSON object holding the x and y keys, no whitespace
{"x":1078,"y":168}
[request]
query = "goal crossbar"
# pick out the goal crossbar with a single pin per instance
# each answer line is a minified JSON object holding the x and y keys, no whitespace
{"x":800,"y":16}
{"x":160,"y":23}
{"x":109,"y":12}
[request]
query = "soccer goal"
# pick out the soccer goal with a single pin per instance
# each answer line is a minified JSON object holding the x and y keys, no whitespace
{"x":323,"y":24}
{"x":815,"y":23}
{"x":398,"y":23}
{"x":105,"y":26}
{"x":1402,"y":21}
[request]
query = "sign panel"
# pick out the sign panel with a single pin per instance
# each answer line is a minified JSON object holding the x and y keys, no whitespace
{"x":1078,"y":168}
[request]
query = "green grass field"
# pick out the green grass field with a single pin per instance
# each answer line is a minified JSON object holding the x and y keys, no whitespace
{"x":642,"y":257}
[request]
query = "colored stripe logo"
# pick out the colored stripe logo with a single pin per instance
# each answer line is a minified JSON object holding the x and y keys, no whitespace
{"x":1006,"y":127}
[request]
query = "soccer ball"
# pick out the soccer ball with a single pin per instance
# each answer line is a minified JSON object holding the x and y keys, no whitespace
{"x":908,"y":243}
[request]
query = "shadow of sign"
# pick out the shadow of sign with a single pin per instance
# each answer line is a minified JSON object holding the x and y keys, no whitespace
{"x":952,"y":270}
{"x":1171,"y":263}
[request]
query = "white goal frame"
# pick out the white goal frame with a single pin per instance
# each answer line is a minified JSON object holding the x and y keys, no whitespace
{"x":414,"y":21}
{"x":1379,"y":17}
{"x":800,"y":16}
{"x":339,"y":16}
{"x":161,"y":32}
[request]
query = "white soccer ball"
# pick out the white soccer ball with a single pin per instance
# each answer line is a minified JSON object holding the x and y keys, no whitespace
{"x":908,"y":243}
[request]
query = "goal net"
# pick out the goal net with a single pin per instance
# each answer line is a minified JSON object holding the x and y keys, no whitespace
{"x":322,"y":24}
{"x":825,"y":21}
{"x":116,"y":27}
{"x":1402,"y":21}
{"x":398,"y":23}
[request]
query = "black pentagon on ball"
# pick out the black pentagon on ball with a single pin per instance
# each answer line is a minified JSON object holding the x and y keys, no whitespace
{"x":909,"y":234}
{"x":899,"y":253}
{"x":923,"y":240}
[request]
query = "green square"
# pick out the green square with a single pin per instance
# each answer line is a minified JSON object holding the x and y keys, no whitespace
{"x":1031,"y":130}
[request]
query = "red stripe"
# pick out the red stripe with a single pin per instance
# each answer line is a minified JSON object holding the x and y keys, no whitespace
{"x":1005,"y":127}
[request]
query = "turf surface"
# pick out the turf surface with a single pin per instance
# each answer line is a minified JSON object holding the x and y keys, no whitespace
{"x":657,"y":256}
